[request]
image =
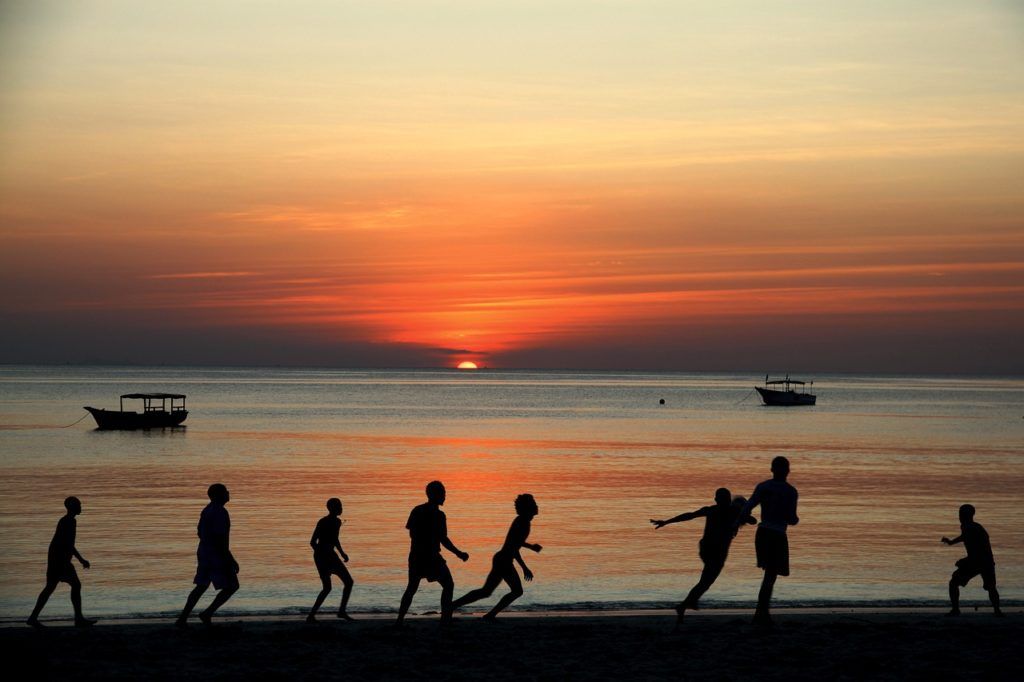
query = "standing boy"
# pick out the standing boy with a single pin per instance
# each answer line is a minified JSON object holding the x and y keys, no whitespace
{"x":979,"y":561}
{"x":324,"y":542}
{"x":215,"y":562}
{"x":59,"y":567}
{"x":428,"y":531}
{"x":778,"y":511}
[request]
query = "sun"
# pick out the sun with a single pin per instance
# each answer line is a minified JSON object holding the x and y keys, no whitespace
{"x":466,"y":364}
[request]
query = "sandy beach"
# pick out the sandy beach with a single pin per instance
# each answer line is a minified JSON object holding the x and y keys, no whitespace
{"x":842,"y":644}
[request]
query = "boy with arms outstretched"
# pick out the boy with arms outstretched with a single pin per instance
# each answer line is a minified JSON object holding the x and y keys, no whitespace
{"x":719,"y":522}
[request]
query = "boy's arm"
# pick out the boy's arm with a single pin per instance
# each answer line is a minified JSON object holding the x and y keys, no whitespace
{"x":74,"y":552}
{"x":676,"y":519}
{"x":957,"y":539}
{"x":532,"y":547}
{"x":795,"y":519}
{"x":527,"y":573}
{"x":312,"y":538}
{"x":337,"y":546}
{"x":450,"y":546}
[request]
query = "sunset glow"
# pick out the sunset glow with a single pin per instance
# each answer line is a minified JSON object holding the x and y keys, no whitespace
{"x":652,"y":184}
{"x":467,"y":365}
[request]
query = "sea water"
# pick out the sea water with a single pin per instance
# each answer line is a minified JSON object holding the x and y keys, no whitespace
{"x":881,"y":463}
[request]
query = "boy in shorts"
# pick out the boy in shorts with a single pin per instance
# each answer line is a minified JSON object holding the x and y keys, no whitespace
{"x":215,"y":563}
{"x":979,"y":561}
{"x":428,"y":531}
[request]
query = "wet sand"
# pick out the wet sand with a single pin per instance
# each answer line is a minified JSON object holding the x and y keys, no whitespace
{"x":845,"y":644}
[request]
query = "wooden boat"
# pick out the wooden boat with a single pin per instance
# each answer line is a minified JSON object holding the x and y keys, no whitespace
{"x":154,"y":415}
{"x":788,"y":396}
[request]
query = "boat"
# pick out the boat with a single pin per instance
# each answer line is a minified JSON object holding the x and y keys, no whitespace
{"x":154,"y":415}
{"x":788,"y":396}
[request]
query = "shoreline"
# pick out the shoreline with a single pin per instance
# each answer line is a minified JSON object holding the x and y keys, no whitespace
{"x":715,"y":644}
{"x":326,"y":616}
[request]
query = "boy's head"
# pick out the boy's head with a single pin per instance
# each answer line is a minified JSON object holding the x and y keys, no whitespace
{"x":436,"y":492}
{"x":218,"y":492}
{"x":723,"y":497}
{"x":966,"y":513}
{"x":526,"y":505}
{"x":334,"y":506}
{"x":739,"y":502}
{"x":780,"y":467}
{"x":73,"y":505}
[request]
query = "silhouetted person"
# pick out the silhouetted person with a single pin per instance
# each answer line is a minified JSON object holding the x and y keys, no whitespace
{"x":59,"y":567}
{"x":778,"y":501}
{"x":719,"y":522}
{"x":501,"y":564}
{"x":324,"y":541}
{"x":428,"y":530}
{"x":214,"y":560}
{"x":979,"y":561}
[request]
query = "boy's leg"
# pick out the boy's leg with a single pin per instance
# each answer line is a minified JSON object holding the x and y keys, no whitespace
{"x":76,"y":602}
{"x":190,"y":603}
{"x":512,"y":578}
{"x":707,"y":578}
{"x":447,"y":584}
{"x":993,"y":596}
{"x":492,"y":581}
{"x":325,"y":581}
{"x":44,"y":596}
{"x":764,"y":597}
{"x":989,"y":578}
{"x":410,"y":591}
{"x":954,"y":596}
{"x":346,"y":579}
{"x":218,"y":602}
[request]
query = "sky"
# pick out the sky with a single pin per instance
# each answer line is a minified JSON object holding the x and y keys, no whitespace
{"x":762,"y":186}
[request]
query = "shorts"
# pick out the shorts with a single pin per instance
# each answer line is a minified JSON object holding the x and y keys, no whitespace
{"x":432,"y":567}
{"x":772,"y":548}
{"x":967,"y":569}
{"x":61,"y":573}
{"x":220,"y":575}
{"x":330,"y":564}
{"x":712,"y":555}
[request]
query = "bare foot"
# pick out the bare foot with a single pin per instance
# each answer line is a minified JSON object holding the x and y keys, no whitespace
{"x":206,"y":618}
{"x":344,"y":616}
{"x":34,"y":622}
{"x":84,"y":622}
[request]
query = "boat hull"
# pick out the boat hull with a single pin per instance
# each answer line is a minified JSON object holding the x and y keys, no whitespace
{"x":785,"y":398}
{"x":113,"y":420}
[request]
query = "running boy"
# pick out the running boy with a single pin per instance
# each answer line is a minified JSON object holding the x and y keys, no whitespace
{"x":501,"y":564}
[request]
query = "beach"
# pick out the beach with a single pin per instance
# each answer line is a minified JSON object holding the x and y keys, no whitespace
{"x":805,"y":644}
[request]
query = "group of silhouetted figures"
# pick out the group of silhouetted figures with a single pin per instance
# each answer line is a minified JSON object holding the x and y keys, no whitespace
{"x":428,"y":532}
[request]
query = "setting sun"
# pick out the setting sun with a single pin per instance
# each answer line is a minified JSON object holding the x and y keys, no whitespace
{"x":466,"y":364}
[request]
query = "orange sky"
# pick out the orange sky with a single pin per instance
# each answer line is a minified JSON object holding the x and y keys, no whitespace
{"x":647,"y":184}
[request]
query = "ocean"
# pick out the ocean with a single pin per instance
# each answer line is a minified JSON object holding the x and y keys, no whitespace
{"x":881,"y":463}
